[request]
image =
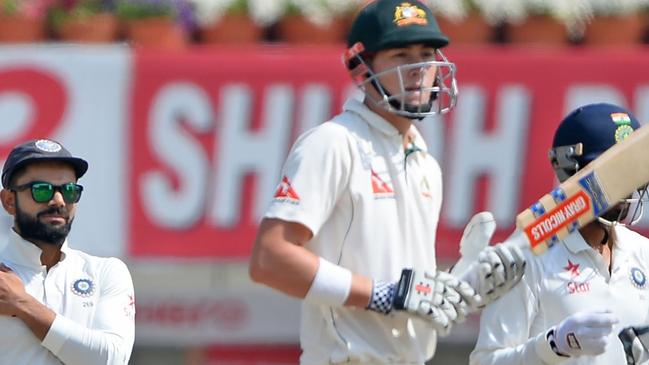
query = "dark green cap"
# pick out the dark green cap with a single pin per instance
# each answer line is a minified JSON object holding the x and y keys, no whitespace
{"x":385,"y":24}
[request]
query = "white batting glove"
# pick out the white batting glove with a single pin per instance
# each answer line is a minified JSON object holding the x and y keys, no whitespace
{"x":475,"y":238}
{"x":582,"y":334}
{"x":635,"y":341}
{"x":439,"y":298}
{"x":497,"y":270}
{"x":491,"y":271}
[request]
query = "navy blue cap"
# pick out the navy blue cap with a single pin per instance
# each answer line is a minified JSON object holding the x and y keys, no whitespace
{"x":40,"y":150}
{"x":597,"y":127}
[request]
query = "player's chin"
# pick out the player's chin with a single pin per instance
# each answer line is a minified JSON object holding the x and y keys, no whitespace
{"x":417,"y":103}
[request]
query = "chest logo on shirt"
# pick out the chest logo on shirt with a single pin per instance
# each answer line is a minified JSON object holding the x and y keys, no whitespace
{"x":638,"y":278}
{"x":380,"y":188}
{"x":285,"y":192}
{"x":573,"y":286}
{"x":83,"y":287}
{"x":572,"y":268}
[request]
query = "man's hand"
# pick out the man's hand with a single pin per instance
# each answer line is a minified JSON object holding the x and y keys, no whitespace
{"x":583,"y":333}
{"x":497,"y":270}
{"x":475,"y":238}
{"x":492,"y":271}
{"x":635,"y":341}
{"x":439,"y":298}
{"x":11,"y":290}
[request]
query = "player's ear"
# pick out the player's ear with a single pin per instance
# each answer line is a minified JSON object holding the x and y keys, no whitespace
{"x":8,"y":201}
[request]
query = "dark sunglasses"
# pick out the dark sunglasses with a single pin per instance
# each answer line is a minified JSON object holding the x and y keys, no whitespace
{"x":43,"y":192}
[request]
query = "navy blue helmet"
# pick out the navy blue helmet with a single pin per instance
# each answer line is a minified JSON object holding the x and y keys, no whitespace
{"x":586,"y":133}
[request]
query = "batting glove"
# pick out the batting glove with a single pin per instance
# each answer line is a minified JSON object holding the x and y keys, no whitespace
{"x":635,"y":341}
{"x":582,"y":334}
{"x":439,"y":298}
{"x":475,"y":238}
{"x":492,"y":271}
{"x":497,"y":270}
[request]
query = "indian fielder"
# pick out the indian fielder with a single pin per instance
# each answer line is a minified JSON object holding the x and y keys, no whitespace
{"x":575,"y":299}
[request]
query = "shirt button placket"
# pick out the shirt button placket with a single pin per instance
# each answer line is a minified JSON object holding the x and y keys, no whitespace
{"x":52,"y":296}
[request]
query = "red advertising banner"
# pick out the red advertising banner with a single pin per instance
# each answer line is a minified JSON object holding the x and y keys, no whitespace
{"x":210,"y":130}
{"x":209,"y":127}
{"x":253,"y":355}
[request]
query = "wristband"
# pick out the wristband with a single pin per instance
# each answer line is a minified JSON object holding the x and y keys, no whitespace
{"x":331,"y":285}
{"x":553,"y":344}
{"x":382,"y":297}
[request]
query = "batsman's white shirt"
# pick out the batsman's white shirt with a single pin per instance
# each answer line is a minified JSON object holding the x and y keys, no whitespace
{"x":94,"y":304}
{"x":569,"y":278}
{"x":372,"y":208}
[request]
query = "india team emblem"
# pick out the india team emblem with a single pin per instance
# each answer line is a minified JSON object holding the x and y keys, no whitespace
{"x":46,"y":145}
{"x":638,"y":278}
{"x":83,"y":287}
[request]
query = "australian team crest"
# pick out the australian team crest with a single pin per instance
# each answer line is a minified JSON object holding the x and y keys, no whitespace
{"x":83,"y":287}
{"x":638,"y":278}
{"x":409,"y":14}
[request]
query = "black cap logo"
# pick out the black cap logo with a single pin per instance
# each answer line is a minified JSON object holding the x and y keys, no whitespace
{"x":46,"y":145}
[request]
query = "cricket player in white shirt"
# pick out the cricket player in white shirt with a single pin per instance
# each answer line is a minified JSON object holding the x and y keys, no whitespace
{"x":58,"y":305}
{"x":575,"y":299}
{"x":351,"y":228}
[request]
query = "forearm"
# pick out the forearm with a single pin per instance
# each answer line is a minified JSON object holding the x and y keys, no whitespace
{"x":36,"y":316}
{"x":74,"y":344}
{"x":69,"y":341}
{"x":292,"y":269}
{"x":280,"y":261}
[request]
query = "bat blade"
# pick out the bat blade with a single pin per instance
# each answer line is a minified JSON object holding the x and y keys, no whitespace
{"x":588,"y":194}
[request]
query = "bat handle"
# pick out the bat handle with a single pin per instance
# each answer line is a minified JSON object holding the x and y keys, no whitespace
{"x":517,"y":238}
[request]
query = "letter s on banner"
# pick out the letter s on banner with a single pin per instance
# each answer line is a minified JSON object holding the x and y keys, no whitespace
{"x":168,"y":205}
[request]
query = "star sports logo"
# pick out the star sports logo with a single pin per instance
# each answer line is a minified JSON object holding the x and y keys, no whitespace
{"x":285,"y":192}
{"x":574,"y":287}
{"x":573,"y":269}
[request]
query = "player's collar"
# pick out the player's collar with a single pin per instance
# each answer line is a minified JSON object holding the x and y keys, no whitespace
{"x":25,"y":253}
{"x":620,"y":234}
{"x":370,"y":117}
{"x":576,"y":243}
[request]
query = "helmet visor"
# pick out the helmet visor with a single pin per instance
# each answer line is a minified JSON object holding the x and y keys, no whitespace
{"x":418,"y":89}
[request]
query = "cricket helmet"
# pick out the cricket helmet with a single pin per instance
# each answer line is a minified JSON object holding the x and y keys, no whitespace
{"x":583,"y":135}
{"x":389,"y":24}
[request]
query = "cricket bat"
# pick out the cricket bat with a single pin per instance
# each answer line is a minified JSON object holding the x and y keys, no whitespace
{"x":614,"y":175}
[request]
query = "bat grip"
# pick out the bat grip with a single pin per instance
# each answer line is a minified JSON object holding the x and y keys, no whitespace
{"x":518,"y":239}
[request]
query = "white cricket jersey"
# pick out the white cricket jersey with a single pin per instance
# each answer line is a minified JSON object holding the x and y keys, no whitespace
{"x":93,"y":300}
{"x":372,"y":208}
{"x":568,"y":278}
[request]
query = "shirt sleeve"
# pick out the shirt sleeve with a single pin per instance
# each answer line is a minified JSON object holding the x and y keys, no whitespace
{"x":505,"y":336}
{"x":314,"y":176}
{"x":109,"y":340}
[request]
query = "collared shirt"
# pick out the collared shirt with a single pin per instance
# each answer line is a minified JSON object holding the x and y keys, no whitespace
{"x":373,"y":207}
{"x":92,"y":297}
{"x":568,"y":278}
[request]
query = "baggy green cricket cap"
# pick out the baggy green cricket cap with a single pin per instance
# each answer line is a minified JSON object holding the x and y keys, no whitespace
{"x":385,"y":24}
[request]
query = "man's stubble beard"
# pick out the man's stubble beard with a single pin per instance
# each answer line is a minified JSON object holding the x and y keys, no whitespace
{"x":33,"y":230}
